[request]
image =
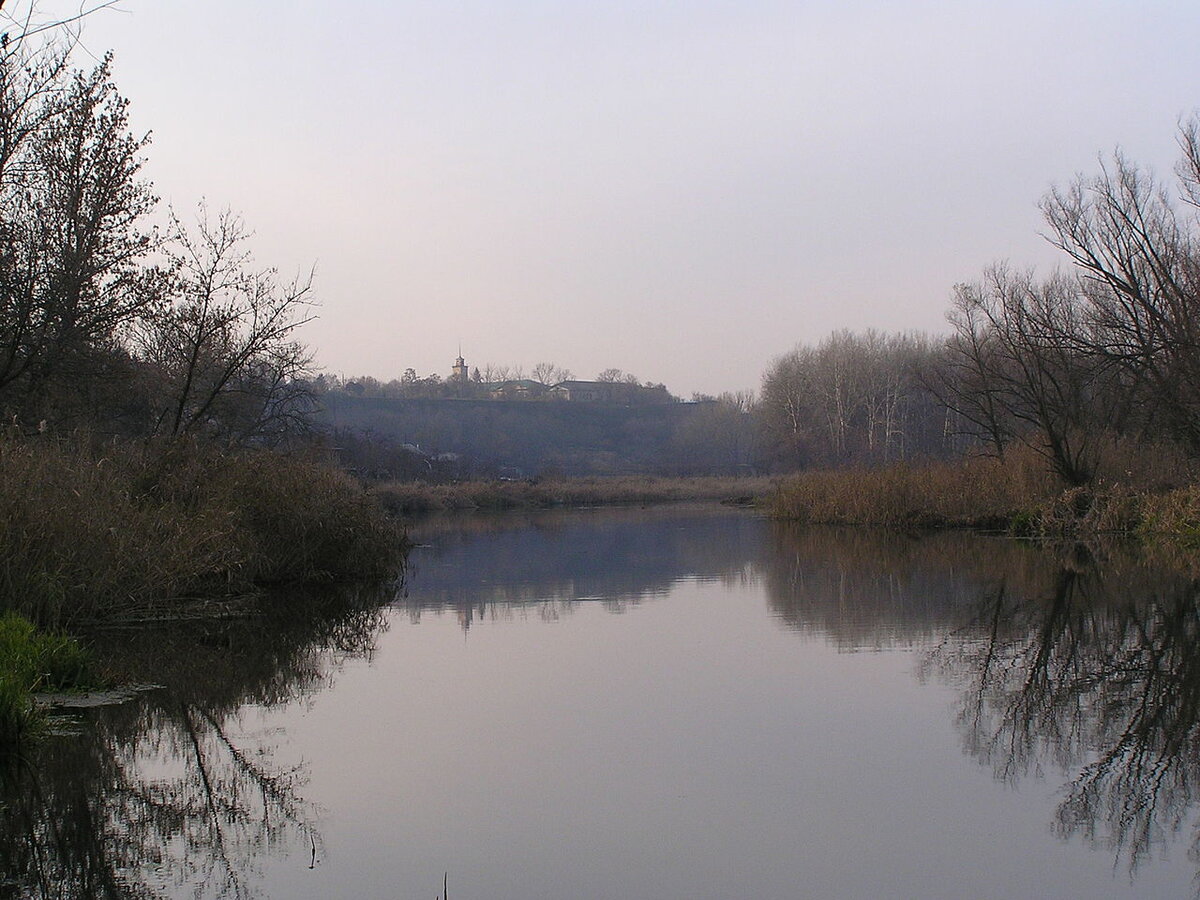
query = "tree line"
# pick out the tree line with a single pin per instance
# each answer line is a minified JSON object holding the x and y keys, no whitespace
{"x":110,"y":318}
{"x":148,"y":366}
{"x":1102,"y":353}
{"x":478,"y":384}
{"x":855,"y":398}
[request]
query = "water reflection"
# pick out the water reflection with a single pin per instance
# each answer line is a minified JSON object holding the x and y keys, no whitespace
{"x":169,"y":792}
{"x":873,"y":588}
{"x":1080,"y":661}
{"x":495,"y":566}
{"x":1076,"y":664}
{"x":1095,"y":673}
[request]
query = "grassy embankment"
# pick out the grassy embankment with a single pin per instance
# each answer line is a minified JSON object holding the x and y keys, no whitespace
{"x":1155,"y":495}
{"x":402,"y":497}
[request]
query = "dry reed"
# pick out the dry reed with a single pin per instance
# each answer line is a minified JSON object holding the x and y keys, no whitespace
{"x":1018,"y":495}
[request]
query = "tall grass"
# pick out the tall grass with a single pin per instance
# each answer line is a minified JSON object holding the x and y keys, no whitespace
{"x":127,"y":531}
{"x":1018,"y":495}
{"x":976,"y":492}
{"x":30,"y":661}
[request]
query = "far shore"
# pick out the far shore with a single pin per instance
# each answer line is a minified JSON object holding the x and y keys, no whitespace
{"x":1015,"y":498}
{"x":413,"y":497}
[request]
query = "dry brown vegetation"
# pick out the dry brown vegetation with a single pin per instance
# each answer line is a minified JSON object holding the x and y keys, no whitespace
{"x":416,"y":497}
{"x":172,"y":342}
{"x":122,"y":531}
{"x":976,"y":493}
{"x":1019,"y":495}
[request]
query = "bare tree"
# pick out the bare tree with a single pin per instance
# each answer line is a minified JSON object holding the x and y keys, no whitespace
{"x":1139,"y":274}
{"x":493,"y":373}
{"x":549,"y":374}
{"x":1019,"y":336}
{"x":962,"y":376}
{"x":786,"y":412}
{"x":20,"y":22}
{"x":223,"y":345}
{"x":613,"y":376}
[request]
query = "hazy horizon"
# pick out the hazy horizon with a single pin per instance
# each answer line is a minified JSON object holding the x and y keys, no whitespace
{"x":683,"y":192}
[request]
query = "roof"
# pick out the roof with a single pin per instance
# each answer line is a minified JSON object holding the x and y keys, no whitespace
{"x":527,"y":384}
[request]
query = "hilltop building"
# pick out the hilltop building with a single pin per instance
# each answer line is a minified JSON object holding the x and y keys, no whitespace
{"x":572,"y":391}
{"x":519,"y":389}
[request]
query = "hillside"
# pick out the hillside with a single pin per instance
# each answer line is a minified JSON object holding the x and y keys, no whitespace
{"x":531,"y":438}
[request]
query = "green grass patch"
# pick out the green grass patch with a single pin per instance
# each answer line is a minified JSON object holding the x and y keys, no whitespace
{"x":41,"y":661}
{"x":33,"y":661}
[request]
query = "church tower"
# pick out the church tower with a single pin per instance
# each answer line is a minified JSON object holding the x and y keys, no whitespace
{"x":459,"y":374}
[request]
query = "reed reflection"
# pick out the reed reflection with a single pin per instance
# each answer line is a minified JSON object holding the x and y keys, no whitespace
{"x":168,"y":792}
{"x":861,"y":589}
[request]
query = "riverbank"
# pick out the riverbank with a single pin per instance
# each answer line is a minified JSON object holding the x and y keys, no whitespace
{"x":115,"y":531}
{"x":1017,"y":496}
{"x":410,"y":497}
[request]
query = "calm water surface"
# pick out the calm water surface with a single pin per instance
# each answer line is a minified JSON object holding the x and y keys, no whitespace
{"x":680,"y":703}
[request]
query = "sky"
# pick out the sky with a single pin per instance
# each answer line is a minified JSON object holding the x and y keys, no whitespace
{"x":681,"y":190}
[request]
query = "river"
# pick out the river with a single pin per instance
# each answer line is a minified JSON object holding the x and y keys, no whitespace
{"x":679,"y":702}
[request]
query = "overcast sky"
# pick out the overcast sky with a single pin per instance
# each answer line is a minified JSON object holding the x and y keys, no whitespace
{"x":683,"y":190}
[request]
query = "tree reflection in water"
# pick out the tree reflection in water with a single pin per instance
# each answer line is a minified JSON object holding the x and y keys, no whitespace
{"x":1098,"y":675}
{"x":1081,"y":661}
{"x":162,"y":794}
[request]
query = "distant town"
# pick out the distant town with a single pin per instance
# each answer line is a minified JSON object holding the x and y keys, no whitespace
{"x":502,"y":420}
{"x":545,"y":381}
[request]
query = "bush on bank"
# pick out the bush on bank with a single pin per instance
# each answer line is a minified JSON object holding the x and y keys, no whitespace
{"x":127,"y":530}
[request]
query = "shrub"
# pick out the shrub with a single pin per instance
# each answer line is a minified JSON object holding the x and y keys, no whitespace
{"x":306,"y":521}
{"x":124,"y":530}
